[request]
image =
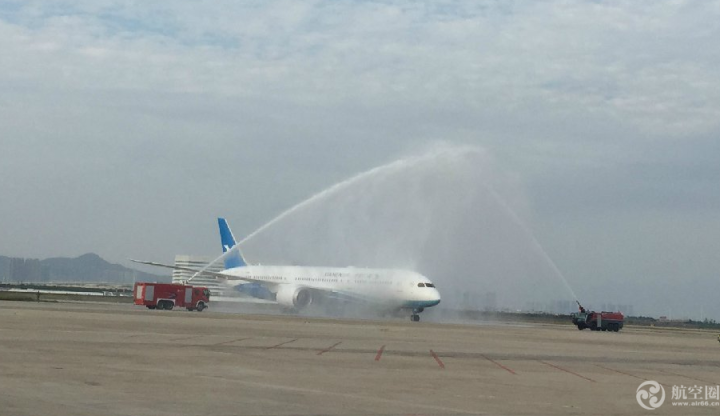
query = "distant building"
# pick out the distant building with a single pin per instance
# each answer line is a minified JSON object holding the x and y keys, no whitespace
{"x":6,"y":270}
{"x":216,"y":287}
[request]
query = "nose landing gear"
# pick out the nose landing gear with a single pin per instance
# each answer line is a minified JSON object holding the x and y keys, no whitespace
{"x":415,"y":317}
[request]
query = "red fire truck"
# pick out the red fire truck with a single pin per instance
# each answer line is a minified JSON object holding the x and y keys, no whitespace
{"x":166,"y":296}
{"x":598,"y":321}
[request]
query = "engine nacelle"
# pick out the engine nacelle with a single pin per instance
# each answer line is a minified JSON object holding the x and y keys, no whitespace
{"x":294,"y":296}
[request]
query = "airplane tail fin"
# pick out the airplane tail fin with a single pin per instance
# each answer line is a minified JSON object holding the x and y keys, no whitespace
{"x":228,"y":241}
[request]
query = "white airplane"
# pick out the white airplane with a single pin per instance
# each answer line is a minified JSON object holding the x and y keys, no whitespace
{"x":297,"y":287}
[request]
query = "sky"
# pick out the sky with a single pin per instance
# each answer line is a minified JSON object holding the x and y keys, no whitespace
{"x":127,"y":127}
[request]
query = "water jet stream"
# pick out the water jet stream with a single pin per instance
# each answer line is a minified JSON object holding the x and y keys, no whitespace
{"x":439,"y":213}
{"x":392,"y":166}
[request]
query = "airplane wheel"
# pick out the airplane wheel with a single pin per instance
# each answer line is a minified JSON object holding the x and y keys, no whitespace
{"x":415,"y":318}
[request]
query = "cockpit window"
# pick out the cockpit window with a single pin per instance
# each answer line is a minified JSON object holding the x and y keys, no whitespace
{"x":429,"y":285}
{"x":421,"y":284}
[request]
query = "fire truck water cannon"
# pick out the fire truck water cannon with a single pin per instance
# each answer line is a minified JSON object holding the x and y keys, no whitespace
{"x":597,"y":321}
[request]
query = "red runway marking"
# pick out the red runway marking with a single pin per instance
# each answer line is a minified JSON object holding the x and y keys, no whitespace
{"x":688,"y":377}
{"x":231,"y":341}
{"x":621,"y":372}
{"x":567,"y":371}
{"x":329,"y":348}
{"x":281,"y":344}
{"x":379,"y":354}
{"x":628,"y":374}
{"x":440,"y":363}
{"x":498,"y":364}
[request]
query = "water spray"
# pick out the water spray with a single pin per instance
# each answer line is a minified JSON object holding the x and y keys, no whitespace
{"x":438,"y":213}
{"x":392,"y":166}
{"x":532,"y":238}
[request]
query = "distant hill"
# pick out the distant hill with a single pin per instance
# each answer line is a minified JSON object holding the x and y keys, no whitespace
{"x":88,"y":268}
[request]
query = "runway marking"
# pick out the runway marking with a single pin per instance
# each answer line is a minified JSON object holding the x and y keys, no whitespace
{"x":231,"y":341}
{"x":621,"y":372}
{"x":688,"y":377}
{"x":281,"y":344}
{"x":567,"y":371}
{"x":630,"y":375}
{"x":440,"y":363}
{"x":329,"y":348}
{"x":379,"y":353}
{"x":180,"y":339}
{"x":362,"y":398}
{"x":498,"y":364}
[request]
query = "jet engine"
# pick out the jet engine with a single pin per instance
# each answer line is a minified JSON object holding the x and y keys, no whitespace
{"x":294,"y":297}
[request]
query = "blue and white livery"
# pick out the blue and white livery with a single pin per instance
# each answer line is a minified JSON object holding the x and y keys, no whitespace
{"x":297,"y":287}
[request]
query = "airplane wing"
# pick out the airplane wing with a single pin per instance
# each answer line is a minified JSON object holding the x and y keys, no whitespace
{"x":343,"y":296}
{"x":217,"y":275}
{"x":328,"y":293}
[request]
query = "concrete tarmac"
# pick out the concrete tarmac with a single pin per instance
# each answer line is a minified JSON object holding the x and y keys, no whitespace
{"x":97,"y":359}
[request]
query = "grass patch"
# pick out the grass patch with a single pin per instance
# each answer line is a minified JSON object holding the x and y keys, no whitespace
{"x":60,"y":297}
{"x":18,"y":296}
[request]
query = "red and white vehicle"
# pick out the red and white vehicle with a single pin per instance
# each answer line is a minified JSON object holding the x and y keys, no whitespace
{"x":167,"y":296}
{"x":598,"y":321}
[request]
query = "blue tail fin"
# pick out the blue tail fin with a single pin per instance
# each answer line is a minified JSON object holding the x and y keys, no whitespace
{"x":228,"y":241}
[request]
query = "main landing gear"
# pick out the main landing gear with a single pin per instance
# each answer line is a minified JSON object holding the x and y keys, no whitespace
{"x":415,"y":317}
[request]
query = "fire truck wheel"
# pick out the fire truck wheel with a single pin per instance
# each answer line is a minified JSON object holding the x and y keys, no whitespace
{"x":200,"y":307}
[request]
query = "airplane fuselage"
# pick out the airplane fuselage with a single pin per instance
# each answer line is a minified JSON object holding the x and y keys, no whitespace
{"x":391,"y":287}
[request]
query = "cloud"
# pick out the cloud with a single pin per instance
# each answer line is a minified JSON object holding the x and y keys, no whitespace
{"x":555,"y":59}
